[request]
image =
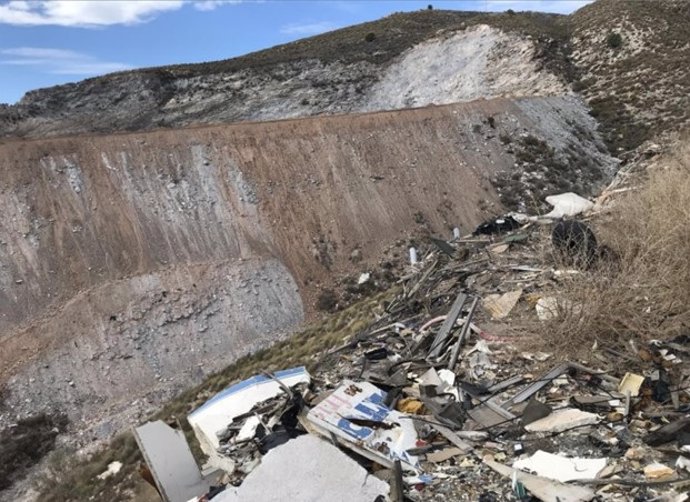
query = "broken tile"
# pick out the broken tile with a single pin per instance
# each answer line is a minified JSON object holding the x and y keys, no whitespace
{"x":561,"y":420}
{"x":306,"y":468}
{"x":658,"y":471}
{"x":499,"y":306}
{"x":561,"y":468}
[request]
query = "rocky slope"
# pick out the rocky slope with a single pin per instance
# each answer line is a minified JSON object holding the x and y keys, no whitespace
{"x":132,"y":265}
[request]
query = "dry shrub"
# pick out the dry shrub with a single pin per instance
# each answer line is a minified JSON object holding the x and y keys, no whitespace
{"x":644,"y":292}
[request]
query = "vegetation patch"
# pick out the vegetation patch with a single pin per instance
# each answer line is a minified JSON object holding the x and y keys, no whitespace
{"x":23,"y":445}
{"x":543,"y":171}
{"x":614,"y":40}
{"x":637,"y":76}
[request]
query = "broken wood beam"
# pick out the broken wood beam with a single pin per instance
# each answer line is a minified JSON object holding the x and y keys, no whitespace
{"x":444,"y":331}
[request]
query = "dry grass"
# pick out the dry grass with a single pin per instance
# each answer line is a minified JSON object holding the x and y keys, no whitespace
{"x":645,"y":294}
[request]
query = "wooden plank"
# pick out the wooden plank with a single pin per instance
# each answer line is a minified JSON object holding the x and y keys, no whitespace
{"x":444,"y":331}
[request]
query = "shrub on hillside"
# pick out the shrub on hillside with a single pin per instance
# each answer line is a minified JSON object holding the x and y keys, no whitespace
{"x":614,"y":40}
{"x":327,"y":301}
{"x":25,"y":444}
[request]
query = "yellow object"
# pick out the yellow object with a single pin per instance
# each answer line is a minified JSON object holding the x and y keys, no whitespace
{"x":410,"y":405}
{"x":631,"y":382}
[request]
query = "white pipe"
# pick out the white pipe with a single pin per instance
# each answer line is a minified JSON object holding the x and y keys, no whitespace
{"x":413,"y":256}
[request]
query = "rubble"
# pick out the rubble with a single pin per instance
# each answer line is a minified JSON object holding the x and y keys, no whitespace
{"x":562,"y":420}
{"x":500,"y":305}
{"x":542,"y":488}
{"x":113,"y":468}
{"x":438,"y":402}
{"x":306,"y":468}
{"x":631,"y":383}
{"x":567,"y":205}
{"x":561,"y":468}
{"x":173,"y":468}
{"x":356,"y":416}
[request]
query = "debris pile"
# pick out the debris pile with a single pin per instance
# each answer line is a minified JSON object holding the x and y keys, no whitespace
{"x":435,"y":401}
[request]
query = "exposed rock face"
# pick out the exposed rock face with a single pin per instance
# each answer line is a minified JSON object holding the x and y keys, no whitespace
{"x":480,"y":62}
{"x":477,"y":62}
{"x":132,"y":265}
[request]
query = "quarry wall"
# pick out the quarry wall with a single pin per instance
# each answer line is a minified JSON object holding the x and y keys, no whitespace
{"x":132,"y":265}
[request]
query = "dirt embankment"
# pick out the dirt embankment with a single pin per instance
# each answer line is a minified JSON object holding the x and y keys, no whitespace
{"x":132,"y":265}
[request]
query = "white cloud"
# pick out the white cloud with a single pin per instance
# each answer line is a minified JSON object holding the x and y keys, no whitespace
{"x":85,"y":13}
{"x":58,"y":61}
{"x":307,"y":28}
{"x":206,"y":5}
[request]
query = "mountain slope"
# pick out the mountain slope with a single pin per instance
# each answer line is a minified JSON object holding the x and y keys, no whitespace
{"x":634,"y":62}
{"x":343,"y":71}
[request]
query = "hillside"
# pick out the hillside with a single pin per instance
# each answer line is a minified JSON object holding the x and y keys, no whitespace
{"x":393,"y":63}
{"x":346,"y":70}
{"x":633,"y":58}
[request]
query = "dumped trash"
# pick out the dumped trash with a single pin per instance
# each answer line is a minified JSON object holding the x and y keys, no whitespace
{"x":566,"y":205}
{"x":433,"y":400}
{"x":658,"y":471}
{"x":500,"y":306}
{"x":574,"y":243}
{"x":166,"y":452}
{"x":497,"y":225}
{"x":631,"y":384}
{"x":562,"y":420}
{"x":225,"y":424}
{"x":307,"y":468}
{"x":113,"y":468}
{"x":356,"y":416}
{"x":542,"y":488}
{"x":561,"y":468}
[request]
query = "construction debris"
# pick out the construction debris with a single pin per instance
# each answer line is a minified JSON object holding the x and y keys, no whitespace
{"x":567,"y":205}
{"x":434,"y":401}
{"x":500,"y":306}
{"x":113,"y":468}
{"x":307,"y":468}
{"x":542,"y":488}
{"x":214,"y":422}
{"x":658,"y":471}
{"x":562,"y":420}
{"x":356,"y":415}
{"x":631,"y":383}
{"x":561,"y":468}
{"x":170,"y":461}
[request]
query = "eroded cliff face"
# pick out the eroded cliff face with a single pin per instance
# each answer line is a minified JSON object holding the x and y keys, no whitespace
{"x":132,"y":265}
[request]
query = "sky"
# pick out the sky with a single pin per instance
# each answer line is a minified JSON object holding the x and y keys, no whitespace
{"x":45,"y":43}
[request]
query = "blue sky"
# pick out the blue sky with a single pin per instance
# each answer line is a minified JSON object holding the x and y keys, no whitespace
{"x":44,"y":43}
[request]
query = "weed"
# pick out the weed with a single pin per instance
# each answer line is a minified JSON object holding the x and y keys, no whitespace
{"x":642,"y":291}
